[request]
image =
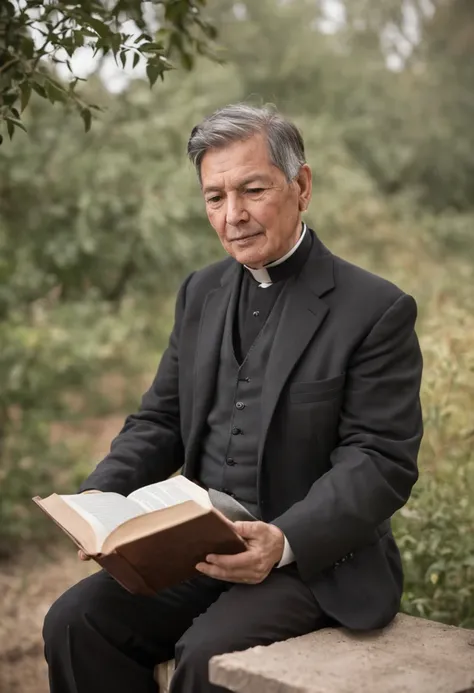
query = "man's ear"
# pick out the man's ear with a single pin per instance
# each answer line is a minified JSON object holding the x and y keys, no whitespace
{"x":304,"y":180}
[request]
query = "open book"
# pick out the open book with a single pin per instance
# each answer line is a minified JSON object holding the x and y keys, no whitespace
{"x":152,"y":538}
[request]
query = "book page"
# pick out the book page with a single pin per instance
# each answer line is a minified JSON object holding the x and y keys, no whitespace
{"x":170,"y":492}
{"x":103,"y":511}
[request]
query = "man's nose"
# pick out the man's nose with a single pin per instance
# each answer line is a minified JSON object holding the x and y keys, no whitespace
{"x":235,"y":212}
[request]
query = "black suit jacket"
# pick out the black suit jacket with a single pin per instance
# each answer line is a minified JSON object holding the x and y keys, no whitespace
{"x":340,"y":423}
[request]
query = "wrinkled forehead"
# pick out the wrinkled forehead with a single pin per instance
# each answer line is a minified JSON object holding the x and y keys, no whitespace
{"x":237,"y":164}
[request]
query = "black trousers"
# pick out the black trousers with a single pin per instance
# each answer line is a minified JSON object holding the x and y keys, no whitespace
{"x":99,"y":638}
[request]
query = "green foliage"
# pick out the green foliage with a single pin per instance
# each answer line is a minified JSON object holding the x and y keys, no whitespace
{"x":435,"y":528}
{"x":44,"y":363}
{"x":97,"y":230}
{"x":64,"y":27}
{"x":435,"y":537}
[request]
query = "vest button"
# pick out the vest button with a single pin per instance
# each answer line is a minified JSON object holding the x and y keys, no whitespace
{"x":230,"y":461}
{"x":240,"y":405}
{"x":235,"y":431}
{"x":256,"y":313}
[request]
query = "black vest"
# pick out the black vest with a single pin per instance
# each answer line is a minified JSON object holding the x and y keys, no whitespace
{"x":230,"y":443}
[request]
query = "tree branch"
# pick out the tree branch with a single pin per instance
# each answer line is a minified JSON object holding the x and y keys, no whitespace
{"x":40,"y":51}
{"x":11,"y":62}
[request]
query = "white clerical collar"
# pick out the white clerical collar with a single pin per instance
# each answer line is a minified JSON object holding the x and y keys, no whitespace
{"x":262,"y":276}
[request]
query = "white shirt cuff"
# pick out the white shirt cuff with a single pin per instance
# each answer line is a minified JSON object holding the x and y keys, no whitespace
{"x":287,"y":557}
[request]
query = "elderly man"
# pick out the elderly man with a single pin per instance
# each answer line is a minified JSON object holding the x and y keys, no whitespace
{"x":291,"y":383}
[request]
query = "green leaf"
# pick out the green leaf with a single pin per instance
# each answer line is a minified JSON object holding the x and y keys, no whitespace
{"x":9,"y":98}
{"x":15,"y":122}
{"x":136,"y":59}
{"x":86,"y":116}
{"x":78,"y":38}
{"x":39,"y":89}
{"x":69,"y":46}
{"x":100,"y":43}
{"x":27,"y":47}
{"x":101,"y":28}
{"x":116,"y":42}
{"x":55,"y":92}
{"x":10,"y":129}
{"x":208,"y":29}
{"x":143,"y":37}
{"x":153,"y":72}
{"x":152,"y":47}
{"x":187,"y":60}
{"x":123,"y":57}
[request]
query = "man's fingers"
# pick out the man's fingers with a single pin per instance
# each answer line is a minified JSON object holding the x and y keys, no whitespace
{"x":240,"y":561}
{"x":249,"y":530}
{"x":229,"y":576}
{"x":83,"y":556}
{"x":213,"y":572}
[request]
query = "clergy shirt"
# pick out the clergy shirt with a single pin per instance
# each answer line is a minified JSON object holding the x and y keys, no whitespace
{"x":260,"y":289}
{"x":267,"y":275}
{"x":258,"y":292}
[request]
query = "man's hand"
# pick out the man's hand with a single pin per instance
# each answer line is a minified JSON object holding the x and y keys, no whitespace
{"x":83,"y":556}
{"x":265,"y":544}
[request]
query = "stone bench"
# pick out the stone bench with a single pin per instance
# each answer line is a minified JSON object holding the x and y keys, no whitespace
{"x":412,"y":655}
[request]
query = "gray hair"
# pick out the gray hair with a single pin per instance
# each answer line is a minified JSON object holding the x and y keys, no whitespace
{"x":239,"y":122}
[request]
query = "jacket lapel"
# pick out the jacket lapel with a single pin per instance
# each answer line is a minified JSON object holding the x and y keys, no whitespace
{"x":303,"y":314}
{"x":211,"y":331}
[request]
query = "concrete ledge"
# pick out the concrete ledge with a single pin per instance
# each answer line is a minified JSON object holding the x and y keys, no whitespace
{"x":412,"y":655}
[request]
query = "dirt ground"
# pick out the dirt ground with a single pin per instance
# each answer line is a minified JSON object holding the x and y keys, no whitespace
{"x":28,"y":586}
{"x":31,"y":583}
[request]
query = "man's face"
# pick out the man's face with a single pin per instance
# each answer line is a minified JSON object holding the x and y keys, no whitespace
{"x":254,"y":210}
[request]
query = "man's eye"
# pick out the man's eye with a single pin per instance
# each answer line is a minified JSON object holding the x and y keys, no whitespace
{"x":214,"y":200}
{"x":254,"y":191}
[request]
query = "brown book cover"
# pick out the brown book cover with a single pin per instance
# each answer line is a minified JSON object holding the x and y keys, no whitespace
{"x":152,"y":551}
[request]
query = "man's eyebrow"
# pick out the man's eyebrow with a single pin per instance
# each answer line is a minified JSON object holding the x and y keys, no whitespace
{"x":255,"y":177}
{"x":250,"y":179}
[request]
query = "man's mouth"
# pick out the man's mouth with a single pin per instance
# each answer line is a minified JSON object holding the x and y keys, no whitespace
{"x":245,"y":238}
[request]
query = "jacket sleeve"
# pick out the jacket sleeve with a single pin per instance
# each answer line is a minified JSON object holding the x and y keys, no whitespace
{"x":149,"y":447}
{"x":374,"y":465}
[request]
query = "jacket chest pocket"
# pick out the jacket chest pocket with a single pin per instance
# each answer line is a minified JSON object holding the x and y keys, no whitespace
{"x":317,"y":390}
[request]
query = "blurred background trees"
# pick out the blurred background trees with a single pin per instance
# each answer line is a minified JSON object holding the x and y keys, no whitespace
{"x":97,"y":230}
